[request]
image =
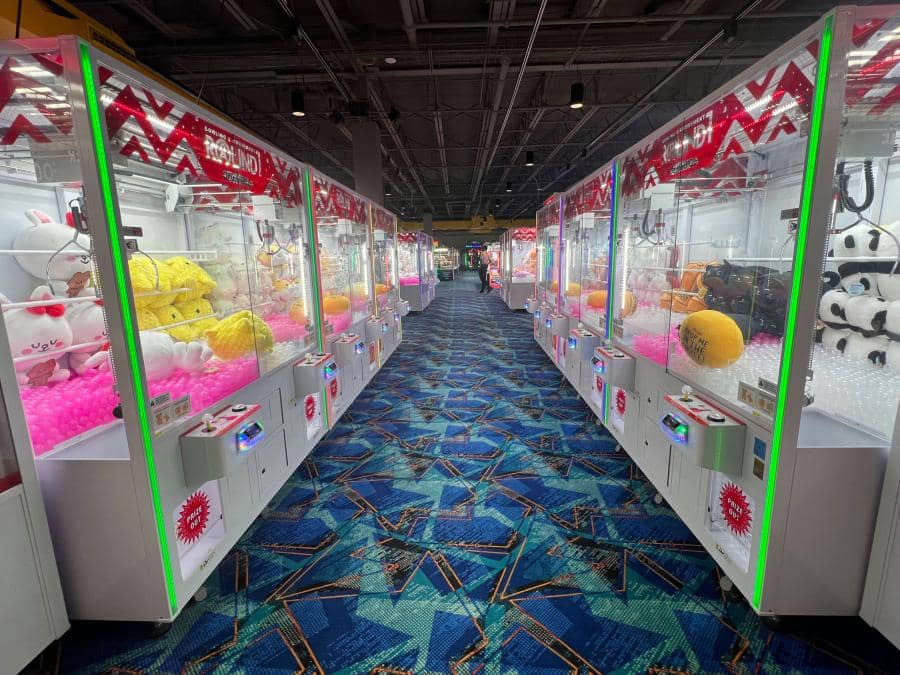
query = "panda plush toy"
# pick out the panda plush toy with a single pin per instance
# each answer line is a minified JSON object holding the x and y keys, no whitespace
{"x":832,"y":308}
{"x":866,"y":314}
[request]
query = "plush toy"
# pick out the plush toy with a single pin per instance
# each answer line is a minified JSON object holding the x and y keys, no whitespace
{"x":169,"y":315}
{"x":151,"y":281}
{"x":297,"y":314}
{"x":627,"y":304}
{"x":711,"y":339}
{"x":835,"y":338}
{"x":748,"y":290}
{"x":185,"y":273}
{"x":861,"y":348}
{"x":381,"y":289}
{"x":892,"y":355}
{"x":866,"y":314}
{"x":832,"y":308}
{"x":888,"y":272}
{"x":240,"y":334}
{"x":38,"y":336}
{"x":336,"y":304}
{"x":858,"y":278}
{"x":573,"y":289}
{"x":88,"y":324}
{"x":162,"y":356}
{"x":892,"y":320}
{"x":856,"y":241}
{"x":191,"y":309}
{"x":231,"y":293}
{"x":45,"y":234}
{"x":596,"y":300}
{"x":146,"y":319}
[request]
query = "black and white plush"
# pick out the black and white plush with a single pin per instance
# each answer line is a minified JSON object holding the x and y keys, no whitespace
{"x":866,"y":314}
{"x":872,"y":349}
{"x":832,"y":308}
{"x":856,"y":241}
{"x":892,"y":320}
{"x":836,"y":338}
{"x":859,"y":278}
{"x":892,"y":355}
{"x":889,"y":281}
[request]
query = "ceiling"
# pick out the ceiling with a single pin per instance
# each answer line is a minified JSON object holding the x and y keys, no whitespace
{"x":456,"y":112}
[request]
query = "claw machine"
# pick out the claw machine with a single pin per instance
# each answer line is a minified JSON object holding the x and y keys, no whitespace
{"x":416,"y":268}
{"x":586,"y":241}
{"x":757,"y":248}
{"x":343,"y":251}
{"x":493,"y":253}
{"x":519,"y":265}
{"x":391,"y":309}
{"x":156,"y":294}
{"x":550,"y":325}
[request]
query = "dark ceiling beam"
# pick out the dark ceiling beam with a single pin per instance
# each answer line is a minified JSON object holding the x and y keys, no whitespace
{"x":512,"y":97}
{"x":224,"y":78}
{"x":642,"y":19}
{"x":639,"y":107}
{"x":687,"y":7}
{"x":409,"y":23}
{"x":487,"y":128}
{"x":143,"y":9}
{"x":501,"y":10}
{"x":236,"y":12}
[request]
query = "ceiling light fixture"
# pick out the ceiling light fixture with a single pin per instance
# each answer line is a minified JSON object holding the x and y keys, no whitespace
{"x":298,"y":109}
{"x":387,"y":192}
{"x":576,"y":96}
{"x":529,"y":158}
{"x":390,"y":60}
{"x":508,"y":186}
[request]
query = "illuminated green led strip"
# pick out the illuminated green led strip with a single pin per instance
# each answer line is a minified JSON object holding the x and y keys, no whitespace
{"x":611,"y":271}
{"x":809,"y":173}
{"x":314,"y":274}
{"x":136,"y":367}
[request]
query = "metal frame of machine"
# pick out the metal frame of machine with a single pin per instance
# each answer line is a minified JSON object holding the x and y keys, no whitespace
{"x":141,"y":510}
{"x":797,"y":485}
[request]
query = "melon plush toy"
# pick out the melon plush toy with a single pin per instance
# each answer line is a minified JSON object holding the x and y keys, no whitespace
{"x":49,"y":236}
{"x":711,"y":339}
{"x":38,"y":337}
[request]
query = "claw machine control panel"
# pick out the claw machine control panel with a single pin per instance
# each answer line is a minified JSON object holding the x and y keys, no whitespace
{"x":317,"y":388}
{"x":388,"y":333}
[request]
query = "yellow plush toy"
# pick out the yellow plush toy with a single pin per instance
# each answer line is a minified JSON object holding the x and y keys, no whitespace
{"x":381,"y":289}
{"x":146,"y":319}
{"x":168,"y":315}
{"x":295,"y":311}
{"x":150,"y":282}
{"x":187,"y":274}
{"x":191,"y":309}
{"x":238,"y":335}
{"x":573,"y":289}
{"x":711,"y":339}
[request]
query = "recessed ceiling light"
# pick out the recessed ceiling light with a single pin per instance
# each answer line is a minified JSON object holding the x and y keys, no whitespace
{"x":390,"y":60}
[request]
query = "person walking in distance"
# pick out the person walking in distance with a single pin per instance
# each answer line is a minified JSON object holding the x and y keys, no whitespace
{"x":483,"y":274}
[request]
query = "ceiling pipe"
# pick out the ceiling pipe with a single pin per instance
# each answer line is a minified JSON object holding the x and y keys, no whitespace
{"x":487,"y":131}
{"x":637,"y":109}
{"x":409,"y":23}
{"x":515,"y":93}
{"x":609,"y":20}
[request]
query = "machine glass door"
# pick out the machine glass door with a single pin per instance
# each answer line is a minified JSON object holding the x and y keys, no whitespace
{"x":856,"y":360}
{"x":408,"y":259}
{"x":384,"y":268}
{"x":50,"y":295}
{"x":594,"y":223}
{"x":571,"y":253}
{"x":343,"y":258}
{"x":522,"y":255}
{"x":213,"y":224}
{"x":548,"y":252}
{"x":735,"y":209}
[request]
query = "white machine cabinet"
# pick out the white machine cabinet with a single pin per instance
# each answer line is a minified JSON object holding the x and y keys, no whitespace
{"x":519,"y":262}
{"x":32,"y":609}
{"x":726,"y":218}
{"x":389,"y":308}
{"x":157,"y":279}
{"x":416,"y":269}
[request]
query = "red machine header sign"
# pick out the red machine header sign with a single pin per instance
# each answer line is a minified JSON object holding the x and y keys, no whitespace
{"x":153,"y":130}
{"x":385,"y":221}
{"x":332,"y":200}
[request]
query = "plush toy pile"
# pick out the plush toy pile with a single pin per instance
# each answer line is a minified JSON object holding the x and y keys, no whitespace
{"x":755,"y":297}
{"x":860,"y":308}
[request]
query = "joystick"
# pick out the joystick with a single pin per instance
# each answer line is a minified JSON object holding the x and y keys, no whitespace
{"x":686,"y":392}
{"x":207,"y":420}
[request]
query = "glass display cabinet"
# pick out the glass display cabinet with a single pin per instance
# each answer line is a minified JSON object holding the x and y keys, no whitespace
{"x":586,"y":241}
{"x":494,"y":262}
{"x":756,"y":250}
{"x":156,"y":290}
{"x":343,"y":252}
{"x":547,"y":321}
{"x":446,"y":262}
{"x":519,"y":266}
{"x":386,"y":280}
{"x":416,"y":264}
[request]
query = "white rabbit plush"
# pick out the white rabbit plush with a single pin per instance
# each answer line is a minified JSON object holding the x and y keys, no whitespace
{"x":45,"y":234}
{"x":162,"y":355}
{"x":88,"y":328}
{"x":38,"y":337}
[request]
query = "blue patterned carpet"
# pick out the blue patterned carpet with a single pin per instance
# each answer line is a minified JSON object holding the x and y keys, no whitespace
{"x":468,"y":515}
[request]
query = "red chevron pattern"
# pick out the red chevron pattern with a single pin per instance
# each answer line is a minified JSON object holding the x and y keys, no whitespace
{"x":33,"y":99}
